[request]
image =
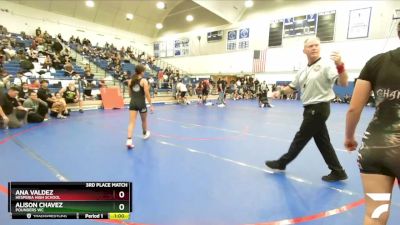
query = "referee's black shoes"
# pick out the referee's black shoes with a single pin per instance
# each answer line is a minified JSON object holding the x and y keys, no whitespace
{"x":335,"y":175}
{"x":275,"y":164}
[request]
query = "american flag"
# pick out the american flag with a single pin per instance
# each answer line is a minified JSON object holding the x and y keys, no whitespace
{"x":259,"y":60}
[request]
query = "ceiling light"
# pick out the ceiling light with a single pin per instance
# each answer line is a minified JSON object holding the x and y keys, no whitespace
{"x":161,"y":5}
{"x":129,"y":16}
{"x":90,"y":3}
{"x":159,"y":26}
{"x":189,"y":18}
{"x":248,"y":3}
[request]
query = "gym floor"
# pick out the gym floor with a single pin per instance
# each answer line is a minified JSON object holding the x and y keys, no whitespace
{"x":203,"y":165}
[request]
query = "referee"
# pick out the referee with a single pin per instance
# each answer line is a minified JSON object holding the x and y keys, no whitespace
{"x":316,"y":85}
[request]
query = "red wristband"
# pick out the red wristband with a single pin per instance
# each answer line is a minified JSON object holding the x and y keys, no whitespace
{"x":340,"y":68}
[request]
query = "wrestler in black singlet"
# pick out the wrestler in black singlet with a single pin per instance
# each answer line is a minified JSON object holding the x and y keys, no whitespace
{"x":380,"y":149}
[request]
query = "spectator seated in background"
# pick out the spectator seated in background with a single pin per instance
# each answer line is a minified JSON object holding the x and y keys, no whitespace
{"x":34,"y":86}
{"x":88,"y":76}
{"x":2,"y":57}
{"x":118,"y":72}
{"x":40,"y":41}
{"x":59,"y":107}
{"x":88,"y":83}
{"x":347,"y":99}
{"x":20,"y":79}
{"x":87,"y":68}
{"x":87,"y":90}
{"x":71,"y":95}
{"x":68,"y":70}
{"x":23,"y":93}
{"x":57,"y":46}
{"x":75,"y":76}
{"x":38,"y":108}
{"x":337,"y":99}
{"x":126,"y":76}
{"x":45,"y":94}
{"x":294,"y":95}
{"x":8,"y":49}
{"x":33,"y":56}
{"x":3,"y":30}
{"x":38,"y":31}
{"x":57,"y":62}
{"x":55,"y":103}
{"x":64,"y":57}
{"x":24,"y":36}
{"x":12,"y":114}
{"x":263,"y":99}
{"x":21,"y":55}
{"x":5,"y":78}
{"x":60,"y":38}
{"x":47,"y":64}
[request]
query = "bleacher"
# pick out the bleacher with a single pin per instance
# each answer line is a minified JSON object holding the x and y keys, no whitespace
{"x":12,"y":67}
{"x":130,"y":66}
{"x":58,"y":75}
{"x":103,"y":64}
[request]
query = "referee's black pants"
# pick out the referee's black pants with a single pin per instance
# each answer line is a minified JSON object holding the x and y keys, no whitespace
{"x":313,"y":126}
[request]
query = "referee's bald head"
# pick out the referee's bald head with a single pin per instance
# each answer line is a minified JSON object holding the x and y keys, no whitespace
{"x":316,"y":39}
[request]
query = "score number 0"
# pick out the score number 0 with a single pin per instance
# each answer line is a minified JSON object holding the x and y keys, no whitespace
{"x":121,"y":195}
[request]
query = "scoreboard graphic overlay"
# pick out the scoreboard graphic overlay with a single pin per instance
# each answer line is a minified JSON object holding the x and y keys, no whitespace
{"x":70,"y":200}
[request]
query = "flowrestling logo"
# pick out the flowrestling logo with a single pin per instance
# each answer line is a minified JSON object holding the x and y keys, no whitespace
{"x":382,"y":197}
